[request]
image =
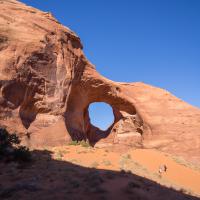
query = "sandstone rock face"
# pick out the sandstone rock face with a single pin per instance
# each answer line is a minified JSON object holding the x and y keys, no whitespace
{"x":47,"y":85}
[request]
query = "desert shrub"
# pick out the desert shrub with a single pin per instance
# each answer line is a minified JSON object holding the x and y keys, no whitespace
{"x":83,"y":143}
{"x":106,"y":162}
{"x":10,"y":148}
{"x":94,"y":164}
{"x":22,"y":153}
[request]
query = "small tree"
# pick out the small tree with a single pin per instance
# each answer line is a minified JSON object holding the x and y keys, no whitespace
{"x":10,"y":148}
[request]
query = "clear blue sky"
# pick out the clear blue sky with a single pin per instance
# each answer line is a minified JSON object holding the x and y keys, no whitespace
{"x":154,"y":41}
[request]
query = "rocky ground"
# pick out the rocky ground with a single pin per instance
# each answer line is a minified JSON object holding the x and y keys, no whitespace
{"x":78,"y":171}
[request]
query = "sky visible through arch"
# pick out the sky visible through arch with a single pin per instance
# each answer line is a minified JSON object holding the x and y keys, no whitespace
{"x":101,"y":115}
{"x":156,"y":42}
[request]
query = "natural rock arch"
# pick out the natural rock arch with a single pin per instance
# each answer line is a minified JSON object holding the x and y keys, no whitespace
{"x":95,"y":88}
{"x":43,"y":61}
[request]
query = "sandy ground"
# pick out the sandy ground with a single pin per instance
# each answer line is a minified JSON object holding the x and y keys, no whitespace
{"x":176,"y":173}
{"x":143,"y":162}
{"x":81,"y":172}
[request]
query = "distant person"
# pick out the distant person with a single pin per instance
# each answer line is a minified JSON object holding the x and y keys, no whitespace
{"x":162,"y":169}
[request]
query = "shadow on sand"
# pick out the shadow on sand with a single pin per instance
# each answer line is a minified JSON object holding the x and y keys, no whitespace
{"x":48,"y":179}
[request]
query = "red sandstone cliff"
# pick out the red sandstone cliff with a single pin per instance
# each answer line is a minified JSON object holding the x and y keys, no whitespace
{"x":47,"y":84}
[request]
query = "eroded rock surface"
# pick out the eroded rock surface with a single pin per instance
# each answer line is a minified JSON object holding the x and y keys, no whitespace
{"x":47,"y":85}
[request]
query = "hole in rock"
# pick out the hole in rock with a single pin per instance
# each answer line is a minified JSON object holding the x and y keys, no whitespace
{"x":101,"y":115}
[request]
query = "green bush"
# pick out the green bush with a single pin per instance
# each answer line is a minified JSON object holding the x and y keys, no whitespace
{"x":83,"y":143}
{"x":10,"y":148}
{"x":74,"y":142}
{"x":22,"y":153}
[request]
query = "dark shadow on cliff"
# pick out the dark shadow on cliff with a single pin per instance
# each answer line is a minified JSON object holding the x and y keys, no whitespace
{"x":45,"y":178}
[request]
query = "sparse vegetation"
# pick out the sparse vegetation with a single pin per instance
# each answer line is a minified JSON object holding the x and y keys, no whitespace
{"x":183,"y":162}
{"x":83,"y":143}
{"x":109,"y":175}
{"x":125,"y":162}
{"x":80,"y":151}
{"x":95,"y":164}
{"x":106,"y":162}
{"x":74,"y":142}
{"x":126,"y":156}
{"x":58,"y":155}
{"x":131,"y":186}
{"x":93,"y":179}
